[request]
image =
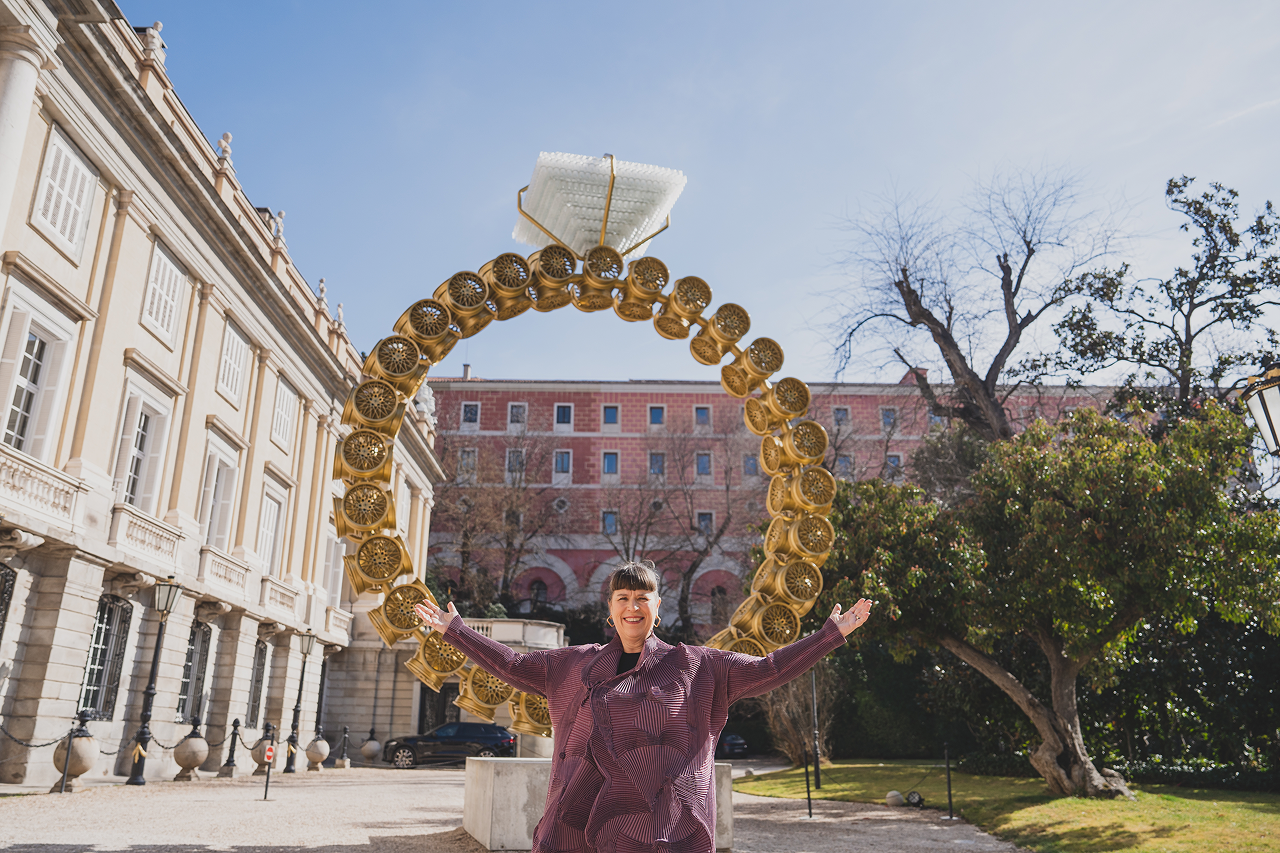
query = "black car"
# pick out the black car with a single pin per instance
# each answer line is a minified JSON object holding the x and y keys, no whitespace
{"x":450,"y":742}
{"x":731,"y":746}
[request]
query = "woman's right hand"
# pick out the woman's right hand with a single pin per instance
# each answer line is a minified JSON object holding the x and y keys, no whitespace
{"x":433,"y":617}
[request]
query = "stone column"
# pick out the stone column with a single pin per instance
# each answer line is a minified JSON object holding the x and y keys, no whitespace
{"x":232,"y":676}
{"x":20,"y":63}
{"x":56,"y":637}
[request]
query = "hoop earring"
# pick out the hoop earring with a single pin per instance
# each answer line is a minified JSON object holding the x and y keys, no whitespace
{"x":609,"y":621}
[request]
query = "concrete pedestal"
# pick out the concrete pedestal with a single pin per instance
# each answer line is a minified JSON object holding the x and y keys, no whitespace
{"x":504,"y":798}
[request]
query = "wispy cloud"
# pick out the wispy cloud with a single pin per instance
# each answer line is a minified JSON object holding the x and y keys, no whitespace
{"x":1253,"y":109}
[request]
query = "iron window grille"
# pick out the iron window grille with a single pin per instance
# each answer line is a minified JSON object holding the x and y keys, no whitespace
{"x":191,"y":690}
{"x":255,"y":686}
{"x":8,"y":580}
{"x":106,"y":657}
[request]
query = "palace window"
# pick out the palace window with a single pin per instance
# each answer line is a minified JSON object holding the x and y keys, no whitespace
{"x":251,"y":718}
{"x":191,"y":689}
{"x":217,"y":493}
{"x":26,"y":392}
{"x":282,"y":416}
{"x":106,"y":657}
{"x":64,"y":195}
{"x":269,"y":530}
{"x":231,"y":368}
{"x":8,"y":580}
{"x":164,"y":293}
{"x":140,"y":451}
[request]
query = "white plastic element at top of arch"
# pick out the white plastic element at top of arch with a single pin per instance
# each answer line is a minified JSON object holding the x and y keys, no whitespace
{"x":568,"y":192}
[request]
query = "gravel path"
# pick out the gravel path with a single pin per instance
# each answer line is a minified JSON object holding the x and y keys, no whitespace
{"x":370,"y":810}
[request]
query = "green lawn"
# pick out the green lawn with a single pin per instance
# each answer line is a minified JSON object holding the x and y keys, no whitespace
{"x":1164,"y":818}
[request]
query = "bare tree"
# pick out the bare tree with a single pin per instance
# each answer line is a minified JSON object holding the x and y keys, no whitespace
{"x":975,"y":284}
{"x":789,"y":712}
{"x":679,"y":518}
{"x":497,"y":504}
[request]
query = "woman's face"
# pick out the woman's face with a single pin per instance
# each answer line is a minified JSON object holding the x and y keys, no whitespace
{"x":633,"y":612}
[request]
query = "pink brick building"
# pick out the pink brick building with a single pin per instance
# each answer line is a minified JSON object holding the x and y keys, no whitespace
{"x":579,"y":475}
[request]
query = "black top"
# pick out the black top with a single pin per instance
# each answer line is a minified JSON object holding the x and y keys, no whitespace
{"x":627,"y":661}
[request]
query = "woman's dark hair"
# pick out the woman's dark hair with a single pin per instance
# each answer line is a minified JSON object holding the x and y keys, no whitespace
{"x":634,"y":575}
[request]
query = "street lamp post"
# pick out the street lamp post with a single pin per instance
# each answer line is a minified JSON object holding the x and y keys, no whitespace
{"x":308,"y":643}
{"x":166,"y":593}
{"x":1263,"y":399}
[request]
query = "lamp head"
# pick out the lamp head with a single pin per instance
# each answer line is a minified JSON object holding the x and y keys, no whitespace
{"x":166,"y":592}
{"x":308,"y":644}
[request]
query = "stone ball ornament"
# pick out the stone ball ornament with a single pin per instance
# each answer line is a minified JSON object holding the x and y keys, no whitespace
{"x":596,"y":264}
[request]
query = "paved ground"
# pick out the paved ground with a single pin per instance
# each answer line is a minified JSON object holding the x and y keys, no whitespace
{"x":370,"y":810}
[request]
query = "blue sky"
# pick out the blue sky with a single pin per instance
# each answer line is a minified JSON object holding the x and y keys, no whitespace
{"x":395,"y":135}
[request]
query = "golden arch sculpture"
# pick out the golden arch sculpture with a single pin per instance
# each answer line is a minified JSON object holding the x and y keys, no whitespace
{"x":800,"y":492}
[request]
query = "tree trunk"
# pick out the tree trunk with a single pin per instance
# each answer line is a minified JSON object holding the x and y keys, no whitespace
{"x":1061,"y":757}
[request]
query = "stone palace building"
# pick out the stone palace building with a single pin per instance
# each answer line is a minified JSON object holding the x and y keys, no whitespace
{"x":170,"y":388}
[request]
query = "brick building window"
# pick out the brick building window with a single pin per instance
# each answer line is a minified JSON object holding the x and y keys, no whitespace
{"x":888,"y":419}
{"x":609,"y":415}
{"x":538,"y":591}
{"x":750,"y":465}
{"x":719,"y":607}
{"x":893,"y":468}
{"x":609,"y":522}
{"x":840,"y":416}
{"x":703,"y":463}
{"x":706,"y":523}
{"x":844,"y":467}
{"x":657,"y":415}
{"x":564,"y":414}
{"x":702,"y":415}
{"x":657,"y":464}
{"x":516,"y":414}
{"x":609,"y":462}
{"x":106,"y":657}
{"x":470,"y":415}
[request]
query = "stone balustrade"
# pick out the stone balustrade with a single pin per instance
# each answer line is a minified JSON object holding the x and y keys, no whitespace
{"x":279,"y":596}
{"x":35,"y":488}
{"x":140,"y":534}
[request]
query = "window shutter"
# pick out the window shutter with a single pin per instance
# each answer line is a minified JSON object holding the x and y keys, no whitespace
{"x":10,"y":357}
{"x":220,"y":522}
{"x":282,"y":417}
{"x":127,"y":431}
{"x":234,"y":347}
{"x":66,"y":189}
{"x":163,"y":290}
{"x":207,"y":508}
{"x":267,"y":533}
{"x":155,"y":462}
{"x":49,"y":396}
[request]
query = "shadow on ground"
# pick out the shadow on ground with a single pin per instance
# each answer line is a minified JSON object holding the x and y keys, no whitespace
{"x":453,"y":841}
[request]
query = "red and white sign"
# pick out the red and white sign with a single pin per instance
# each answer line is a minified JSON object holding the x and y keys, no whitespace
{"x":269,"y":753}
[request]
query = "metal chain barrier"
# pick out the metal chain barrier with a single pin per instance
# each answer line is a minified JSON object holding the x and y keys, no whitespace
{"x":157,"y":742}
{"x":58,"y":739}
{"x":131,"y":739}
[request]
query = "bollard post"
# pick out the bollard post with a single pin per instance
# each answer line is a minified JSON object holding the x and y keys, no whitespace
{"x":228,"y":768}
{"x":270,"y":733}
{"x":807,"y":798}
{"x":813,"y":691}
{"x":946,"y":756}
{"x":346,"y":741}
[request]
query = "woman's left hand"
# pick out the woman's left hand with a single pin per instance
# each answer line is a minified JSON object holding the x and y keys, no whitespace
{"x":858,"y":614}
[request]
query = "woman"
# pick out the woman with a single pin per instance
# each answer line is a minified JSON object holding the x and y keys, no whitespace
{"x":635,"y":721}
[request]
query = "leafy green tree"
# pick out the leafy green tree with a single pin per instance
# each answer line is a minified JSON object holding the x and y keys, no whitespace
{"x":1189,"y":335}
{"x":1077,"y":532}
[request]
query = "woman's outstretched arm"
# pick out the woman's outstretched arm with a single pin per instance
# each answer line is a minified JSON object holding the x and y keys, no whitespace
{"x":752,"y":676}
{"x":527,"y":672}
